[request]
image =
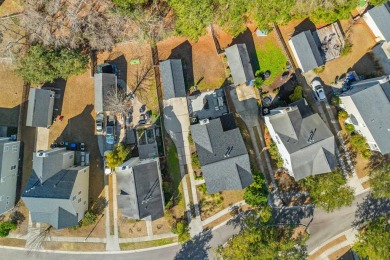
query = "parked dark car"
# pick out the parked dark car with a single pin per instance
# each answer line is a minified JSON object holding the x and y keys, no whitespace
{"x":142,"y":108}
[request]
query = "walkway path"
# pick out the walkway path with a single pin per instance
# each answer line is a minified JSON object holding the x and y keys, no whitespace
{"x":176,"y":122}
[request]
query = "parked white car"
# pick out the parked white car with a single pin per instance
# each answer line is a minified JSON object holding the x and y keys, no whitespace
{"x":318,"y":90}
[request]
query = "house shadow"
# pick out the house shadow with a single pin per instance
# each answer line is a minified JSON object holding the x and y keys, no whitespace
{"x":59,"y":87}
{"x":81,"y":129}
{"x":184,"y":52}
{"x":305,"y":25}
{"x":368,"y":66}
{"x":121,"y":66}
{"x":9,"y":116}
{"x":196,"y":248}
{"x":247,"y":38}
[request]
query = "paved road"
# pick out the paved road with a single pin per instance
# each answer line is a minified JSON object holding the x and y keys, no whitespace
{"x":327,"y":225}
{"x":199,"y":248}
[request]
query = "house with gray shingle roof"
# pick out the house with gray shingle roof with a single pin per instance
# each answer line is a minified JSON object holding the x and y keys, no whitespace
{"x":378,"y":19}
{"x":239,"y":64}
{"x":40,"y":108}
{"x":306,"y":51}
{"x":57,"y":191}
{"x":172,"y":79}
{"x":140,"y":189}
{"x":305,"y":143}
{"x":222,"y":154}
{"x":368,"y":107}
{"x":9,"y":166}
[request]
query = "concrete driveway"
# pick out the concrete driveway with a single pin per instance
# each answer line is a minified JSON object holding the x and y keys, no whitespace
{"x":176,"y":120}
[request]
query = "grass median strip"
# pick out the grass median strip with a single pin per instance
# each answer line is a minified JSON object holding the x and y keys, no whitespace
{"x":147,"y":244}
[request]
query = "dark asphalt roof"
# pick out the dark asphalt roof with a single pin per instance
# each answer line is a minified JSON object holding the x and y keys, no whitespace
{"x":307,"y":51}
{"x":40,"y":108}
{"x":222,"y":154}
{"x":381,"y":16}
{"x":140,"y":192}
{"x":307,"y":157}
{"x":172,"y":79}
{"x":59,"y":186}
{"x":239,"y":63}
{"x":60,"y":218}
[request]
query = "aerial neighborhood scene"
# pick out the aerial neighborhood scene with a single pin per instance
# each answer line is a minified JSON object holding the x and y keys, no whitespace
{"x":208,"y":129}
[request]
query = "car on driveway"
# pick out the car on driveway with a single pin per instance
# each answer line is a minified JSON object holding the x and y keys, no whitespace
{"x":142,"y":120}
{"x":318,"y":90}
{"x":142,"y":108}
{"x":110,"y":134}
{"x":99,"y":123}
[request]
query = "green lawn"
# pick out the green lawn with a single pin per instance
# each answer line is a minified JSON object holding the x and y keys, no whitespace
{"x":146,"y":244}
{"x":173,"y":163}
{"x":271,"y":58}
{"x":174,"y":172}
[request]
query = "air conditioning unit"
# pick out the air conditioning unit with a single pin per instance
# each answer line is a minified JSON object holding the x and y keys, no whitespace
{"x":204,"y":121}
{"x":42,"y":154}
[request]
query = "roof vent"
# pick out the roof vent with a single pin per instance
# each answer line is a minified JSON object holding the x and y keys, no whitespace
{"x":204,"y":121}
{"x":312,"y":132}
{"x":229,"y":150}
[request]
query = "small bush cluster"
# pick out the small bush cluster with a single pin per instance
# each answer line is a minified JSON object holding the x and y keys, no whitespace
{"x":275,"y":155}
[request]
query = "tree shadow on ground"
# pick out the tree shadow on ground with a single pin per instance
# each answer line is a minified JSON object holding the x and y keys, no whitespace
{"x":377,"y":160}
{"x":196,"y":248}
{"x":99,"y":205}
{"x":292,"y":215}
{"x":247,"y":38}
{"x":239,"y":216}
{"x":305,"y":25}
{"x":184,"y":52}
{"x":371,"y":209}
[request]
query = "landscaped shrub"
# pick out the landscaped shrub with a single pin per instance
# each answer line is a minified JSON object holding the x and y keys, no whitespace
{"x":296,"y":95}
{"x":181,"y":229}
{"x":347,"y":48}
{"x":359,"y":143}
{"x":342,"y":115}
{"x":88,"y":219}
{"x":366,"y":154}
{"x":195,"y":160}
{"x":335,"y":101}
{"x":275,"y":155}
{"x":349,"y":128}
{"x":6,"y":227}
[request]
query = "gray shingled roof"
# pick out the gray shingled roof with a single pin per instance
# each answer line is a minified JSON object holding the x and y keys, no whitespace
{"x":307,"y":158}
{"x":40,"y":108}
{"x":48,"y":191}
{"x":140,"y":193}
{"x":59,"y":186}
{"x":307,"y":51}
{"x":381,"y":16}
{"x":172,"y":79}
{"x":222,"y":170}
{"x":104,"y":82}
{"x":373,"y":102}
{"x":239,"y":63}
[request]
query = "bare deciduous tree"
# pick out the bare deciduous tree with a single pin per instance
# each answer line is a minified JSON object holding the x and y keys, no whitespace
{"x":142,"y":79}
{"x":116,"y":101}
{"x":72,"y":23}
